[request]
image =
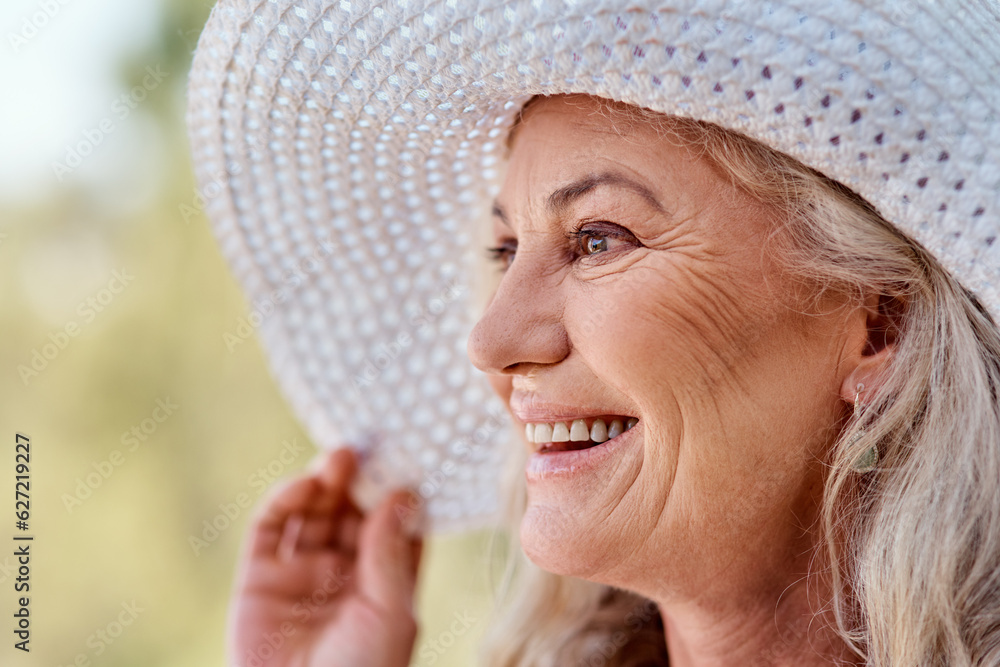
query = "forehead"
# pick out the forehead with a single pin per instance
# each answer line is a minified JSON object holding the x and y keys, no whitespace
{"x":587,"y":114}
{"x":563,"y":140}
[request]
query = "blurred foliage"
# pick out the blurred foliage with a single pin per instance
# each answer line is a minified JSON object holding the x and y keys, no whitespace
{"x":158,"y":339}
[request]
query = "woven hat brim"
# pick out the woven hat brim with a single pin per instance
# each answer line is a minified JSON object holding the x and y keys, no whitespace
{"x":368,"y":136}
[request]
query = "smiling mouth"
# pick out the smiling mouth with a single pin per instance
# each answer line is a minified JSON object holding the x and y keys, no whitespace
{"x":550,"y":447}
{"x":552,"y":437}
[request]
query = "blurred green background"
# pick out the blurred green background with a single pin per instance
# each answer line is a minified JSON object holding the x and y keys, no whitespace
{"x":115,"y":301}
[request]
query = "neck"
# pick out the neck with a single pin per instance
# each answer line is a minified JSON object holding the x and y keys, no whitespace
{"x":754,"y":629}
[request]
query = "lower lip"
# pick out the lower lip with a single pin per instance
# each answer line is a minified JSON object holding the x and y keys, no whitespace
{"x":572,"y":462}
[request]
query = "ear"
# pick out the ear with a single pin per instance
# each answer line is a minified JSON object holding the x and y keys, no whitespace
{"x":874,"y":346}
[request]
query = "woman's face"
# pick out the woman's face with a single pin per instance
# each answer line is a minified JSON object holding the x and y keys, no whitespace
{"x":671,"y":311}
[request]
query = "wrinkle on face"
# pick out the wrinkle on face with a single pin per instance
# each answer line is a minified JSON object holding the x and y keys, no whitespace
{"x":695,"y":328}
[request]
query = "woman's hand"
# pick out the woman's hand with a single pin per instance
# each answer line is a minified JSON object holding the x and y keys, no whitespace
{"x":320,"y":584}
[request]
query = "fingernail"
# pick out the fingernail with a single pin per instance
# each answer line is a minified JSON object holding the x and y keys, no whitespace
{"x":409,"y":513}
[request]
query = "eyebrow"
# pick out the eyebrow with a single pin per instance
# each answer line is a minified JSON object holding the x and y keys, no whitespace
{"x":560,"y":199}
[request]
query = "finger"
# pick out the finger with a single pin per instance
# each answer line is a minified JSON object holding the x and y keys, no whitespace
{"x":386,"y":574}
{"x":417,"y":550}
{"x":350,"y":528}
{"x":323,"y":526}
{"x":289,"y":538}
{"x":302,"y":579}
{"x":293,"y":497}
{"x":337,"y":531}
{"x":335,"y":473}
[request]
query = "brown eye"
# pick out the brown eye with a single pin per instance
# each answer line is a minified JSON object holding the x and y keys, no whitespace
{"x":593,"y":243}
{"x":596,"y":241}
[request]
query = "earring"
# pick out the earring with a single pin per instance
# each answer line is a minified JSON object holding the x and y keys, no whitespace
{"x":866,"y":462}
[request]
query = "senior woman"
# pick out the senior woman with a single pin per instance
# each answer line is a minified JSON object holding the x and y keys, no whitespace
{"x":742,"y":322}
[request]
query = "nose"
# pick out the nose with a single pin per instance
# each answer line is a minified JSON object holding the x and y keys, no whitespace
{"x":521,"y":325}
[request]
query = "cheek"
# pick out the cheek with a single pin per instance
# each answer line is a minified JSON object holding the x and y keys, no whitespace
{"x":722,"y":305}
{"x":684,"y":343}
{"x":609,"y":322}
{"x":665,"y":323}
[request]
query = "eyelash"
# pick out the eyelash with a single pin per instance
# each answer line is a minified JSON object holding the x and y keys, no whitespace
{"x":497,"y":254}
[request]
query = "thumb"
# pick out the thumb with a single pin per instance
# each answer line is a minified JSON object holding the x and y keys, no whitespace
{"x":386,"y":569}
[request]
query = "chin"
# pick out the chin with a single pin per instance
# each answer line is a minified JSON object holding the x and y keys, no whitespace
{"x":553,"y":540}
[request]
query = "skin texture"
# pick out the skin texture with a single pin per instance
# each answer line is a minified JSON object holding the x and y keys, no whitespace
{"x":321,"y":584}
{"x":686,"y":321}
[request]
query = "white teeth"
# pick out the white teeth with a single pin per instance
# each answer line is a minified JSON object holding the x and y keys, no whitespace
{"x":578,"y":431}
{"x":543,"y":433}
{"x":598,"y":432}
{"x":559,"y":432}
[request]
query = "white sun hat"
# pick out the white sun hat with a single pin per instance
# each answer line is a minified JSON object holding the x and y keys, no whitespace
{"x":345,"y":152}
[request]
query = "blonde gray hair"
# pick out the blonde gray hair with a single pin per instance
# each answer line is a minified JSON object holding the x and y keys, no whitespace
{"x":912,"y":549}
